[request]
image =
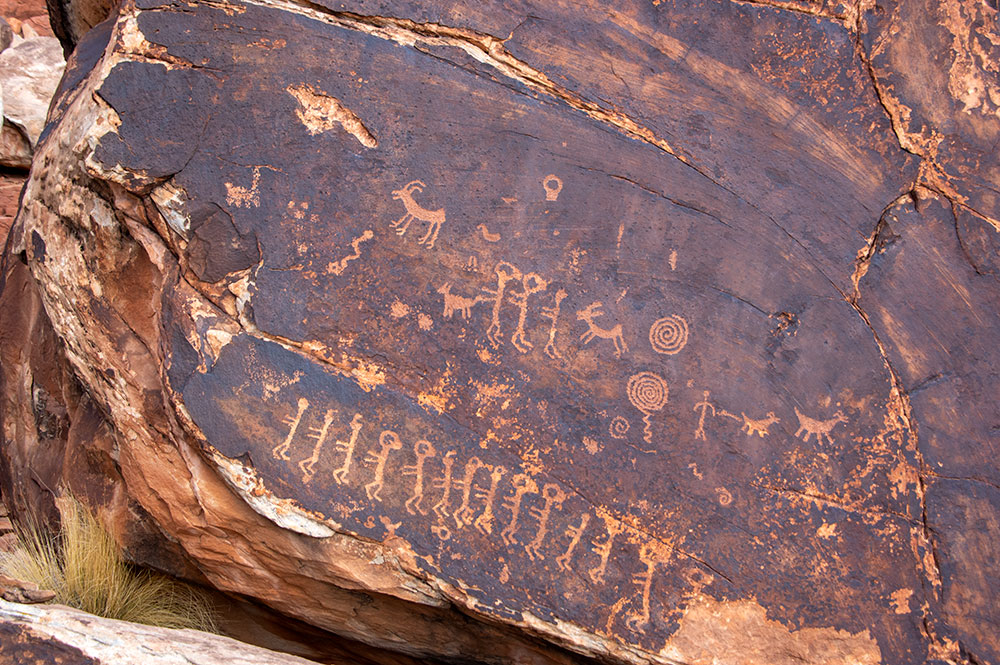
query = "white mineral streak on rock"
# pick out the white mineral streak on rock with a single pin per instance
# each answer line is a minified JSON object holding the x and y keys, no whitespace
{"x":29,"y":75}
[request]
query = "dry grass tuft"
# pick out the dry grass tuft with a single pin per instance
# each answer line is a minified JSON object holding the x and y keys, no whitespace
{"x":86,"y":570}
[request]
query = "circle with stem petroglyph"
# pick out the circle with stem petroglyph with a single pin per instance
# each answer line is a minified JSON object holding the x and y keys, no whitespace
{"x":648,"y":392}
{"x":668,"y":335}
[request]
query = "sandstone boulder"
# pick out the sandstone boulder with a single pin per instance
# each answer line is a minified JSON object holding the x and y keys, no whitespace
{"x":651,"y":332}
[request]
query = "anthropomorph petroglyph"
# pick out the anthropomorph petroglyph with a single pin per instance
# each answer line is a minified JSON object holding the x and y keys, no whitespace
{"x":281,"y":450}
{"x":554,"y":497}
{"x":423,"y":449}
{"x":552,"y":186}
{"x":347,"y":447}
{"x":639,"y":620}
{"x":523,"y":484}
{"x":435,"y":218}
{"x":531,"y":284}
{"x":574,"y":533}
{"x":593,"y":311}
{"x":388,"y":441}
{"x":759,"y":427}
{"x":704,"y":405}
{"x":445,"y":484}
{"x":463,"y":516}
{"x":456,"y":303}
{"x":320,"y":433}
{"x":648,"y":393}
{"x":506,"y":273}
{"x":552,"y":313}
{"x":818,"y":428}
{"x":485,"y":520}
{"x":338,"y":267}
{"x":668,"y":335}
{"x":603,"y":548}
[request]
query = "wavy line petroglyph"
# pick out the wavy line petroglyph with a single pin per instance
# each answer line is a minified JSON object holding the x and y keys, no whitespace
{"x":648,"y":393}
{"x":338,"y":267}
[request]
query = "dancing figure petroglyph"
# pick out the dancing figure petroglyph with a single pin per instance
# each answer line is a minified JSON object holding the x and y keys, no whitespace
{"x":759,"y":427}
{"x":523,"y":484}
{"x":532,"y":283}
{"x":485,"y":520}
{"x":444,"y":483}
{"x":340,"y":266}
{"x":603,"y":549}
{"x":388,"y":441}
{"x":281,"y":450}
{"x":506,"y":273}
{"x":820,"y":428}
{"x":593,"y":311}
{"x":463,"y":516}
{"x":554,"y":496}
{"x":637,"y":622}
{"x":320,"y":433}
{"x":552,"y":313}
{"x":704,"y":405}
{"x":340,"y":474}
{"x":575,"y":533}
{"x":456,"y":303}
{"x":415,"y":211}
{"x":423,"y":450}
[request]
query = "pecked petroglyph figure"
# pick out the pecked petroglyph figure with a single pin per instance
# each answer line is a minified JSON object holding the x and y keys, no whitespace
{"x":463,"y":516}
{"x":523,"y":484}
{"x":281,"y":450}
{"x":415,"y":211}
{"x":340,"y":474}
{"x":484,"y":523}
{"x":506,"y":273}
{"x":444,"y":483}
{"x":422,"y":449}
{"x":554,"y":497}
{"x":388,"y":441}
{"x":552,"y":313}
{"x":574,"y":533}
{"x":818,"y":428}
{"x":456,"y":303}
{"x":759,"y":427}
{"x":593,"y":311}
{"x":531,"y":283}
{"x":637,"y":622}
{"x":320,"y":433}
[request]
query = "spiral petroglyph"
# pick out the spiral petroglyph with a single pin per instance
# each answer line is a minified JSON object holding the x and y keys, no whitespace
{"x":619,"y":428}
{"x":648,"y":392}
{"x":668,"y":335}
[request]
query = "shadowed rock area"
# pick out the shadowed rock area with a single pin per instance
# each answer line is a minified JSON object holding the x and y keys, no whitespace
{"x":530,"y":332}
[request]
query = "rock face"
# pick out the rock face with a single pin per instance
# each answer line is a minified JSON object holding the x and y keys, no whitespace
{"x":657,"y":332}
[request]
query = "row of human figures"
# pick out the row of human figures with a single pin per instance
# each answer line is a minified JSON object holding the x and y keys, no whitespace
{"x":471,"y":495}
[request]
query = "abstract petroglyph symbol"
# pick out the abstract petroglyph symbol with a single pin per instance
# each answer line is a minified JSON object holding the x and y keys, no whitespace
{"x":554,"y":496}
{"x":552,"y":313}
{"x":593,"y":311}
{"x":648,"y":392}
{"x":552,"y":186}
{"x":759,"y":427}
{"x":574,"y":533}
{"x":441,"y":531}
{"x":281,"y":450}
{"x":472,"y":265}
{"x":619,"y":428}
{"x":506,"y":273}
{"x":456,"y":303}
{"x":725,"y":496}
{"x":704,"y":405}
{"x":340,"y":474}
{"x":820,"y":428}
{"x":423,"y":450}
{"x":444,"y":483}
{"x":338,"y":267}
{"x":388,"y":441}
{"x":603,"y":549}
{"x":241,"y":197}
{"x":673,"y":259}
{"x":638,"y":621}
{"x":320,"y":433}
{"x":485,"y":520}
{"x":463,"y":516}
{"x":523,"y":484}
{"x":390,"y":526}
{"x":531,"y":283}
{"x":487,"y":236}
{"x":415,"y":211}
{"x":669,"y":334}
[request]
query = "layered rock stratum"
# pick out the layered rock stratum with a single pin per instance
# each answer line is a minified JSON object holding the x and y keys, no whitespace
{"x":652,"y":332}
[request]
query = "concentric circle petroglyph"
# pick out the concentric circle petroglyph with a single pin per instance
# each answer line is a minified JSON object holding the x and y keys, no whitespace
{"x":648,"y":392}
{"x":668,"y":335}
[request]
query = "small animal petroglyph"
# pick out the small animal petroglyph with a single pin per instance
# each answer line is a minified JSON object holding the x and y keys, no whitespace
{"x":575,"y":533}
{"x":338,"y":267}
{"x":554,"y":496}
{"x":531,"y":283}
{"x":759,"y":427}
{"x":320,"y":433}
{"x":445,"y":483}
{"x":552,"y":313}
{"x":485,"y":520}
{"x":388,"y":441}
{"x":648,"y":393}
{"x":487,"y":236}
{"x":523,"y":484}
{"x":340,"y":474}
{"x":415,"y":211}
{"x":603,"y":549}
{"x":423,"y":450}
{"x":456,"y":303}
{"x":593,"y":311}
{"x":704,"y":405}
{"x":506,"y":273}
{"x":463,"y":516}
{"x":281,"y":450}
{"x":818,"y":428}
{"x":552,"y":186}
{"x":637,"y":622}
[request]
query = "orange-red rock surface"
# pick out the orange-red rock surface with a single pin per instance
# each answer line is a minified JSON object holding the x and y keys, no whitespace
{"x":649,"y":332}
